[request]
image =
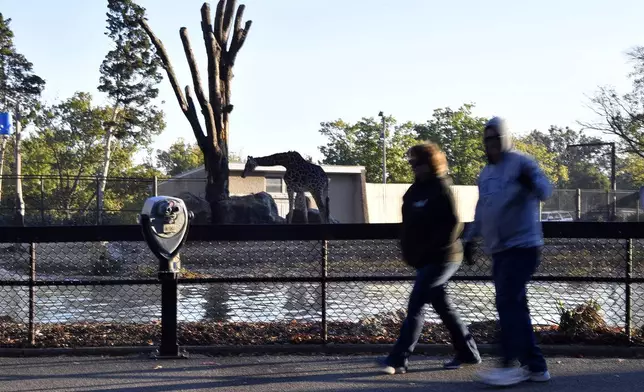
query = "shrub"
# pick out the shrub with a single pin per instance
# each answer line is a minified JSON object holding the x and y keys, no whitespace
{"x":583,"y":320}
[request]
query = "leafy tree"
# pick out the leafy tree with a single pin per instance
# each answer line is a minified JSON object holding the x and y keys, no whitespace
{"x":17,"y":79}
{"x":129,"y":77}
{"x":556,"y":172}
{"x":19,"y":82}
{"x":460,"y":135}
{"x":179,"y":158}
{"x":630,"y":172}
{"x":587,"y":166}
{"x":64,"y":152}
{"x":360,"y":144}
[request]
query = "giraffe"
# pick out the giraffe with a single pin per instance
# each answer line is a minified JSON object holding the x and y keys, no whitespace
{"x":301,"y":176}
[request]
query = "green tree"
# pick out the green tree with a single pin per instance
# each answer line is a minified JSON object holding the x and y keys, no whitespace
{"x":556,"y":172}
{"x":179,"y":158}
{"x":129,"y":76}
{"x":17,"y":79}
{"x":587,"y":166}
{"x":460,"y":135}
{"x":360,"y":144}
{"x":65,"y":149}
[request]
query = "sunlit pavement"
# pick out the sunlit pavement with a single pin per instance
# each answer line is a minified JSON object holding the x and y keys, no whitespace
{"x":294,"y":373}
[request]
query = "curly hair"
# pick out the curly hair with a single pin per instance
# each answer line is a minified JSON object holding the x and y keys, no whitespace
{"x":429,"y":153}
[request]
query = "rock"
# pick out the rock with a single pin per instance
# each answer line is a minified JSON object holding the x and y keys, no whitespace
{"x":257,"y":208}
{"x":199,"y":207}
{"x":314,"y":216}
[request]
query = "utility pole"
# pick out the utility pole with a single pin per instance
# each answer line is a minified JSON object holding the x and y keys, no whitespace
{"x":383,"y":137}
{"x":613,"y":174}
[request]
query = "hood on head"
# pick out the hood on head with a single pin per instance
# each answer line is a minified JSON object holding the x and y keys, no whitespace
{"x":500,"y":126}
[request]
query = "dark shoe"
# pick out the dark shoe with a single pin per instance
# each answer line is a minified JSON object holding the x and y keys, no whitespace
{"x":388,"y":366}
{"x":457,"y":363}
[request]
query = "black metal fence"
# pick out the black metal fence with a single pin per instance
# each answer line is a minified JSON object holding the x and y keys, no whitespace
{"x":249,"y":285}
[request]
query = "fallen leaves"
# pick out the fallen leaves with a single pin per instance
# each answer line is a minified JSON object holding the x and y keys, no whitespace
{"x":382,"y":331}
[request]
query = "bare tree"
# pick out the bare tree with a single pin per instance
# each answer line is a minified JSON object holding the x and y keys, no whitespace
{"x":222,"y":49}
{"x":622,"y":115}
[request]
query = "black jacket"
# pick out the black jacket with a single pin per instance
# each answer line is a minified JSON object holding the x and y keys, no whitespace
{"x":430,"y":227}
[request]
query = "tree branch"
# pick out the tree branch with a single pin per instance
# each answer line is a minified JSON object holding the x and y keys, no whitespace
{"x":227,"y":21}
{"x":239,"y":35}
{"x":167,"y":65}
{"x":206,"y":109}
{"x":213,"y":51}
{"x":218,"y":24}
{"x":194,"y":121}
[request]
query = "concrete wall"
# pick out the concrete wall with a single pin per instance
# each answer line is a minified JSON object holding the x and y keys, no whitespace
{"x":384,"y":202}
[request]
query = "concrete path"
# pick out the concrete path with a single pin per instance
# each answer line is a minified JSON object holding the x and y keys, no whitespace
{"x":293,"y":373}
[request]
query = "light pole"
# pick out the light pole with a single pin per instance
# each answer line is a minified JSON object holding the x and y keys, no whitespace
{"x":613,"y":177}
{"x":383,"y":136}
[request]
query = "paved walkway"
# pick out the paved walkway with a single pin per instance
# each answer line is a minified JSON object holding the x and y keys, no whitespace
{"x":293,"y":373}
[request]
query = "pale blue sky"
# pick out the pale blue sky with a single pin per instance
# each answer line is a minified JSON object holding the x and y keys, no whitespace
{"x":311,"y":61}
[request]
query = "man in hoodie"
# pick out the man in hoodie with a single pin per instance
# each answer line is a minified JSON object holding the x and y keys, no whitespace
{"x":511,"y":186}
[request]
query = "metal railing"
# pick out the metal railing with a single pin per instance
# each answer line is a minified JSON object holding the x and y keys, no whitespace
{"x":268,"y":284}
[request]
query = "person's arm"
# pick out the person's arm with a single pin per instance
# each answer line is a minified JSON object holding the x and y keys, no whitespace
{"x":443,"y":218}
{"x":474,"y":228}
{"x":534,"y":179}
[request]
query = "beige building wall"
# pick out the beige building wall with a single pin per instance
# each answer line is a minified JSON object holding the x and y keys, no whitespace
{"x":384,"y":202}
{"x":245,"y":186}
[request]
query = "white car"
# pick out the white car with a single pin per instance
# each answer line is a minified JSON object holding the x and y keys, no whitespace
{"x":557,"y":216}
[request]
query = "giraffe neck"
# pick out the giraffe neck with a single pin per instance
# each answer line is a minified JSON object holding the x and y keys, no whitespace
{"x":281,"y":159}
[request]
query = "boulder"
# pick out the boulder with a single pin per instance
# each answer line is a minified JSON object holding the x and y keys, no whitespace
{"x":257,"y":208}
{"x":313,"y":216}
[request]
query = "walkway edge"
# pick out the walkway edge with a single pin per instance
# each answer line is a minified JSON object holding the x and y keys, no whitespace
{"x":428,"y":349}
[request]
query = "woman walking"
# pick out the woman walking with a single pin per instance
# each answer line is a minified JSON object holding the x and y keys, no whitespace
{"x":430,"y":243}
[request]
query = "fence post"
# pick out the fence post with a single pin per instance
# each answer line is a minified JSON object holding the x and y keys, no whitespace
{"x":627,"y":290}
{"x":42,"y":201}
{"x":32,"y":293}
{"x":608,"y":207}
{"x":169,"y":347}
{"x":578,"y":204}
{"x":155,"y":186}
{"x":325,"y":259}
{"x":98,"y":201}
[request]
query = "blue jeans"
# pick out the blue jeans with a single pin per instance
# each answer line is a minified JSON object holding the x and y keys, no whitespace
{"x":512,"y":270}
{"x":429,"y":288}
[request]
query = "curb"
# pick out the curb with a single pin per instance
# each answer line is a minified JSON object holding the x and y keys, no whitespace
{"x":427,"y":349}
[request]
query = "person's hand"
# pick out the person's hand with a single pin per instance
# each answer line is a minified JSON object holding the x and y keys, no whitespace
{"x":526,"y":180}
{"x":468,"y":253}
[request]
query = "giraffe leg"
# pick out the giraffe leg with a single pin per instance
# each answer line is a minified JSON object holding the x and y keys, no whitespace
{"x":317,"y":195}
{"x":302,"y":203}
{"x":290,"y":205}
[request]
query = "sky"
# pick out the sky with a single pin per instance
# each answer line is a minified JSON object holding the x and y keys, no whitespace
{"x":307,"y":62}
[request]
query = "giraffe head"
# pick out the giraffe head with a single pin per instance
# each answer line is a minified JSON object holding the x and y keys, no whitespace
{"x":251,"y":164}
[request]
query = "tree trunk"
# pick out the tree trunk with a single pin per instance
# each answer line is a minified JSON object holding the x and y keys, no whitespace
{"x":19,"y":218}
{"x":107,"y":156}
{"x":3,"y":149}
{"x":216,"y":184}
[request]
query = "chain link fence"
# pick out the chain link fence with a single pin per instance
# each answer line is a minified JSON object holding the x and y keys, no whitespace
{"x":252,"y":292}
{"x":592,"y":205}
{"x":57,"y":201}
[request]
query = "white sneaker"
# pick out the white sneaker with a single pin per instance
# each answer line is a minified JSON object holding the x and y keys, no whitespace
{"x":538,"y":376}
{"x":503,"y":377}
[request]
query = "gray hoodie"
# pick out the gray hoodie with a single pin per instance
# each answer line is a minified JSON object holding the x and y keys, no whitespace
{"x":507,"y":214}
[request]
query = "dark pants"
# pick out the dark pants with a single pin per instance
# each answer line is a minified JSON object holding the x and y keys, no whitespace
{"x":512,"y":270}
{"x":429,"y":287}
